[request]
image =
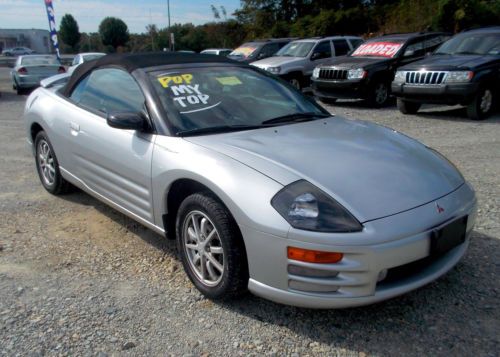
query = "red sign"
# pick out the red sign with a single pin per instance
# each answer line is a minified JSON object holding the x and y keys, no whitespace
{"x":378,"y":49}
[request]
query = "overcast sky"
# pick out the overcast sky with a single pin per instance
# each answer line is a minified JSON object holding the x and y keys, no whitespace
{"x":89,"y":13}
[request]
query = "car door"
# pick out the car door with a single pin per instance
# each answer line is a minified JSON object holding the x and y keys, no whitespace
{"x":113,"y":163}
{"x":321,"y":53}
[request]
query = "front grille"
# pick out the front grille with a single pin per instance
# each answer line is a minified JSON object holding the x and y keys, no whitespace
{"x":333,"y":73}
{"x":425,"y":77}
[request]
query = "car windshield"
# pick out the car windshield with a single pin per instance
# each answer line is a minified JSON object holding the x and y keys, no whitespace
{"x":387,"y":48}
{"x":39,"y":60}
{"x":245,"y":50}
{"x":296,"y":49}
{"x":91,"y":57}
{"x":221,"y":98}
{"x":471,"y":44}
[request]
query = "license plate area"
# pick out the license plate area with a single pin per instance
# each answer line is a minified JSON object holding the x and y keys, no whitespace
{"x":448,"y":237}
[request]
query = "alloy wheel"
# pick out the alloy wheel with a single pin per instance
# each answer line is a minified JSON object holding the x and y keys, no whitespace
{"x":46,"y":162}
{"x":203,"y":248}
{"x":486,"y":101}
{"x":381,"y":93}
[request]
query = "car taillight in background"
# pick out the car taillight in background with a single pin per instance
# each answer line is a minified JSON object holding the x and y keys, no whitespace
{"x":61,"y":69}
{"x":22,"y":70}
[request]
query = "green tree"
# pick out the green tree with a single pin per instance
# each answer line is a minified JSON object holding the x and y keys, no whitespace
{"x":69,"y":32}
{"x":113,"y":32}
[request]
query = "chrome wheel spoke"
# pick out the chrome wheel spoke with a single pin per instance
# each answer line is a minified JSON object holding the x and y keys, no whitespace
{"x":211,"y":235}
{"x":216,"y":250}
{"x":192,"y":246}
{"x":203,"y":226}
{"x":211,"y":273}
{"x":214,"y":262}
{"x":192,"y":234}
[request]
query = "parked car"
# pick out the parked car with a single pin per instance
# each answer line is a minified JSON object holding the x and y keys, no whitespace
{"x":217,"y":51}
{"x":258,"y":49}
{"x":84,"y":57}
{"x":262,"y":188}
{"x":465,"y":70}
{"x":29,"y":70}
{"x":17,"y":51}
{"x":368,"y":71}
{"x":296,"y":61}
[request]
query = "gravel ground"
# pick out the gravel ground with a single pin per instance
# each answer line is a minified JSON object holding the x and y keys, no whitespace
{"x":78,"y":278}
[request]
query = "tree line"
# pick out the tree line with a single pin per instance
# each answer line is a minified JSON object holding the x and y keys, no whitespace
{"x":287,"y":18}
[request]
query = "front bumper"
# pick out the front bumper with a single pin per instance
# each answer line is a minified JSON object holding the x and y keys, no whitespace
{"x":460,"y":93}
{"x":401,"y":243}
{"x":343,"y":89}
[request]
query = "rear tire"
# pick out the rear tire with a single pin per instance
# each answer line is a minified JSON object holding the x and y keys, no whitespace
{"x":406,"y":107}
{"x":211,"y":247}
{"x":482,"y":105}
{"x":47,"y":166}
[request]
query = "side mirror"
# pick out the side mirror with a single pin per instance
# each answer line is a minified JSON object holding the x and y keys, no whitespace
{"x":315,"y":56}
{"x":261,"y":55}
{"x":127,"y":121}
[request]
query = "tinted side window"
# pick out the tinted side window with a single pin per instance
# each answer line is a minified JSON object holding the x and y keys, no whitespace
{"x":109,"y":90}
{"x":341,"y":47}
{"x":416,"y":48}
{"x":322,"y":50}
{"x":270,"y":49}
{"x":356,"y":42}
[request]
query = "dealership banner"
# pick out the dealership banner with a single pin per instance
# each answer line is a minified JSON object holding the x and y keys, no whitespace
{"x":52,"y":25}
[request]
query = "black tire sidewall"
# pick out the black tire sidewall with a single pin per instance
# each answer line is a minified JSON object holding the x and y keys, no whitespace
{"x":229,"y":285}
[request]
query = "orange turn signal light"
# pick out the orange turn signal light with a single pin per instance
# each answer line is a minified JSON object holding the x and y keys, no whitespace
{"x":313,"y":256}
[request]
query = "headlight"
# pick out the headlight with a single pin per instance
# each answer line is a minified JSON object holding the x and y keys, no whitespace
{"x":274,"y":70}
{"x":459,"y":76}
{"x":357,"y":73}
{"x":400,"y":77}
{"x":306,"y":207}
{"x":316,"y":73}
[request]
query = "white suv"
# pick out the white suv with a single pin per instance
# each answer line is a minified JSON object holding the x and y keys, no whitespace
{"x":296,"y":61}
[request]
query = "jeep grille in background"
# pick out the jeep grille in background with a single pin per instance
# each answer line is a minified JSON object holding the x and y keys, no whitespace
{"x":425,"y":77}
{"x":327,"y":73}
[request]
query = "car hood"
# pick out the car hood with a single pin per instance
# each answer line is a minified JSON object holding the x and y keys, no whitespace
{"x":349,"y":62}
{"x":448,"y":62}
{"x":276,"y":61}
{"x":371,"y":170}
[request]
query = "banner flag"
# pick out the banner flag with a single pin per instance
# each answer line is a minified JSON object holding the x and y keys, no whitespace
{"x":52,"y":25}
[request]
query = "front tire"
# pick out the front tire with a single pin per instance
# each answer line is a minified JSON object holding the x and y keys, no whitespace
{"x":47,"y":166}
{"x":211,"y":247}
{"x":379,"y":94}
{"x":482,"y":105}
{"x":406,"y":107}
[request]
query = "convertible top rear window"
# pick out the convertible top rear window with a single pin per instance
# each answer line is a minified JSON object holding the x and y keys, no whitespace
{"x":200,"y":98}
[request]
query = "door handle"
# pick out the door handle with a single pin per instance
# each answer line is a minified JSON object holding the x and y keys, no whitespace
{"x":74,"y":128}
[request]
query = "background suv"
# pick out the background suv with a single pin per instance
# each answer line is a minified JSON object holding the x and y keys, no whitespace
{"x":367,"y":72}
{"x":296,"y":61}
{"x":258,"y":49}
{"x":464,"y":70}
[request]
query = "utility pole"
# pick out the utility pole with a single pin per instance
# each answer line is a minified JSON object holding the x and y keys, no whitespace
{"x":169,"y":35}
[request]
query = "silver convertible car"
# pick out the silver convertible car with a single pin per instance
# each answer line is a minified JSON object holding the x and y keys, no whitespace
{"x":261,"y":187}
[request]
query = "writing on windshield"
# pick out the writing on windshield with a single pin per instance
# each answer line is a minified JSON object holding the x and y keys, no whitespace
{"x":378,"y":49}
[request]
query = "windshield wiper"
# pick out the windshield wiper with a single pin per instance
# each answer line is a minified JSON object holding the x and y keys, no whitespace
{"x":466,"y":53}
{"x":296,"y":117}
{"x":216,"y":129}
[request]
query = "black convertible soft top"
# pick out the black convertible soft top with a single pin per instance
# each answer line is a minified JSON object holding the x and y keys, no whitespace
{"x":133,"y":61}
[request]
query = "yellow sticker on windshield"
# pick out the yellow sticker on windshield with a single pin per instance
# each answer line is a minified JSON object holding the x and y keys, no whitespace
{"x":229,"y":81}
{"x":165,"y":81}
